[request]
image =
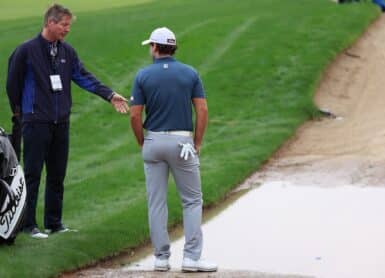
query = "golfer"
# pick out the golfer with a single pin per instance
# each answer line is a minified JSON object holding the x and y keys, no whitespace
{"x":39,"y":90}
{"x":167,"y":90}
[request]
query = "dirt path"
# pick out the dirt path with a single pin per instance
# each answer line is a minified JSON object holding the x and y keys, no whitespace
{"x":348,"y":149}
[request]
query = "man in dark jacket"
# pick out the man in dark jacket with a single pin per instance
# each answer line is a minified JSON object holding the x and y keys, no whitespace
{"x":39,"y":90}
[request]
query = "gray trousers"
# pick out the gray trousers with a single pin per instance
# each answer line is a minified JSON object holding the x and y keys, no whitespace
{"x":161,"y":154}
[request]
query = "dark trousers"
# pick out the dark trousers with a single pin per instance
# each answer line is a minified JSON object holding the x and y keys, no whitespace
{"x":45,"y":143}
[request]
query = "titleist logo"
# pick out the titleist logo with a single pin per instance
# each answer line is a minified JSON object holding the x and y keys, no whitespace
{"x":6,"y":218}
{"x":13,"y":171}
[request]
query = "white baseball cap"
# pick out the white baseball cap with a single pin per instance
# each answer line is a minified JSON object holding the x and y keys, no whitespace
{"x":161,"y":35}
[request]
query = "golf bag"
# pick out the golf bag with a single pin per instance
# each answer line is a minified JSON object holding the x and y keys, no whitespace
{"x":13,"y":191}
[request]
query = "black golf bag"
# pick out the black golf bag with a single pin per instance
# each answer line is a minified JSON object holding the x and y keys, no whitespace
{"x":13,"y":191}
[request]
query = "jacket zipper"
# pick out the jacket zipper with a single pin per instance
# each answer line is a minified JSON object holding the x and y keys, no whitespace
{"x":33,"y":103}
{"x":56,"y":108}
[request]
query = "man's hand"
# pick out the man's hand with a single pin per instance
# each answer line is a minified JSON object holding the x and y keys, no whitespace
{"x":120,"y":103}
{"x":16,"y":134}
{"x":197,"y":148}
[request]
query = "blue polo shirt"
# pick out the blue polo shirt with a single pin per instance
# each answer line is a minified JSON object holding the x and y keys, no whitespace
{"x":166,"y":89}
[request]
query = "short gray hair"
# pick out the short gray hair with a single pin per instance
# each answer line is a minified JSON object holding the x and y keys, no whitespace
{"x":56,"y":13}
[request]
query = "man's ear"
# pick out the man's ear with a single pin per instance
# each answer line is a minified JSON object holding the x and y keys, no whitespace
{"x":50,"y":22}
{"x":155,"y":47}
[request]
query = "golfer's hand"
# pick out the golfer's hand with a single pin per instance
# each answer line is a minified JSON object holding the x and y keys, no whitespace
{"x":197,"y":148}
{"x":187,"y":150}
{"x":120,"y":103}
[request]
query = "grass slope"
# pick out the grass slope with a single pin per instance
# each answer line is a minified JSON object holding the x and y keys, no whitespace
{"x":10,"y":9}
{"x":260,"y":62}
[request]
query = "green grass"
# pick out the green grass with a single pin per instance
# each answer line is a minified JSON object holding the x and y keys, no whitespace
{"x":10,"y":9}
{"x":260,"y":62}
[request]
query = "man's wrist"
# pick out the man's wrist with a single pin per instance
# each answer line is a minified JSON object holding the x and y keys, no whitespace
{"x":140,"y":141}
{"x":197,"y":142}
{"x":111,"y":96}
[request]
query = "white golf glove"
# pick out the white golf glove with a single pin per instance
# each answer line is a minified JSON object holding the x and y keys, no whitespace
{"x":187,"y":150}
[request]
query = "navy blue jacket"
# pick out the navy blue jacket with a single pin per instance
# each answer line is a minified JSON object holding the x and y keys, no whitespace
{"x":29,"y":87}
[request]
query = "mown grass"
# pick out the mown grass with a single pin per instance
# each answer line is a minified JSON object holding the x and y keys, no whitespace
{"x":10,"y":9}
{"x":260,"y":62}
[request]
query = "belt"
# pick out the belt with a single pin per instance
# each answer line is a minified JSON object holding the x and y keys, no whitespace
{"x":175,"y":132}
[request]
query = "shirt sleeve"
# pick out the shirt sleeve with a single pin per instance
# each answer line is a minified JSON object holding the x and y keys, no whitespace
{"x":198,"y":91}
{"x":88,"y":81}
{"x":137,"y":94}
{"x":15,"y":80}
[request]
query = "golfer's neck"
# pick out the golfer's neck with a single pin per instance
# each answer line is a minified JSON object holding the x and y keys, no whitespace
{"x":160,"y":56}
